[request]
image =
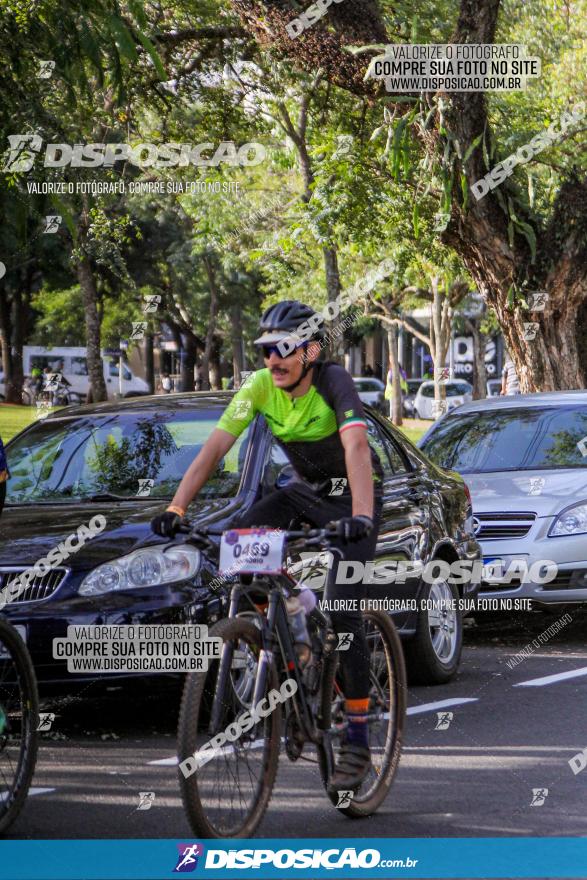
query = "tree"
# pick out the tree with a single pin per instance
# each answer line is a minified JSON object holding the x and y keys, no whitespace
{"x":509,"y":247}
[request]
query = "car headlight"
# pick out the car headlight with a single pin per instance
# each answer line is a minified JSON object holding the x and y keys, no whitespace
{"x":572,"y":521}
{"x":143,"y":568}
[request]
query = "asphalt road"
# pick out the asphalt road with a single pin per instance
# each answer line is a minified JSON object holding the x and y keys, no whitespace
{"x":511,"y":733}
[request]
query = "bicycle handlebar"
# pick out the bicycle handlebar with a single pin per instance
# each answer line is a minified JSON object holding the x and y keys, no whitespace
{"x":310,"y":536}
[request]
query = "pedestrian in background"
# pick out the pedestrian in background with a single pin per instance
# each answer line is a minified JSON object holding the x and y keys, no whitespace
{"x":388,"y":394}
{"x":166,"y":383}
{"x":510,"y":384}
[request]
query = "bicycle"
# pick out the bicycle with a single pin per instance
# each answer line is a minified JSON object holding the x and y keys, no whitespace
{"x":19,"y":720}
{"x":257,"y":654}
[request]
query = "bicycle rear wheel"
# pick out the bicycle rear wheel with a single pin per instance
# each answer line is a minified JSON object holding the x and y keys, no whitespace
{"x":19,"y":719}
{"x":228,"y":795}
{"x":387,"y":710}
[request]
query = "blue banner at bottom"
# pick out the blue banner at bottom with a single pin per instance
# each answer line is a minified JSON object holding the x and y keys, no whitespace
{"x":307,"y":859}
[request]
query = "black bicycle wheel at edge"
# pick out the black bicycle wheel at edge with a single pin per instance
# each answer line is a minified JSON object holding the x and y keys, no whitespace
{"x":228,"y":795}
{"x":387,"y":712}
{"x":19,"y":720}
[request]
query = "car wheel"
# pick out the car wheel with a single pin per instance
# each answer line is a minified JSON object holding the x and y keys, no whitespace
{"x":433,"y":654}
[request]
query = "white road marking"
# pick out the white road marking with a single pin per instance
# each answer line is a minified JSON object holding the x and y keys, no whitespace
{"x":441,"y":704}
{"x":551,"y":679}
{"x":31,"y":792}
{"x":413,"y":710}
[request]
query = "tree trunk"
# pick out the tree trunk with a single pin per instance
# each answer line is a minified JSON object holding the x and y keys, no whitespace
{"x":87,"y":284}
{"x":149,"y":363}
{"x":396,"y":400}
{"x":440,"y":325}
{"x":12,"y":319}
{"x":213,"y":288}
{"x":479,"y":351}
{"x":215,"y":370}
{"x":237,"y":343}
{"x":188,"y":363}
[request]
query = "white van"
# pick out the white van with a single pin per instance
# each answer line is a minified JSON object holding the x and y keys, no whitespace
{"x":72,"y":362}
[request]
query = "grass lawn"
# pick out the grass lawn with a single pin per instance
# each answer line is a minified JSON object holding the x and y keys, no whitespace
{"x":14,"y":419}
{"x":415,"y":428}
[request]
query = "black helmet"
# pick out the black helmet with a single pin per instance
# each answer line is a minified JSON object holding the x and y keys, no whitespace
{"x":289,"y":318}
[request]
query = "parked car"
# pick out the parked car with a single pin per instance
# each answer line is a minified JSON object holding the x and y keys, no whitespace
{"x":493,"y":387}
{"x":71,"y":362}
{"x":371,"y":391}
{"x":93,"y":459}
{"x":524,"y":458}
{"x":457,"y":393}
{"x":409,"y":398}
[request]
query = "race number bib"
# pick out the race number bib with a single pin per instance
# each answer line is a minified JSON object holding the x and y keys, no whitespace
{"x":251,"y":551}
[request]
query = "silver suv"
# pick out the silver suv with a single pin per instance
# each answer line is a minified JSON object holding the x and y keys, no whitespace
{"x":524,"y":459}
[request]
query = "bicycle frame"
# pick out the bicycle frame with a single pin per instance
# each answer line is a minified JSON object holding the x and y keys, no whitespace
{"x":276,"y":634}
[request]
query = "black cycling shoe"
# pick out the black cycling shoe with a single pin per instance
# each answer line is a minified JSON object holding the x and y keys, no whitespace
{"x":352,"y":768}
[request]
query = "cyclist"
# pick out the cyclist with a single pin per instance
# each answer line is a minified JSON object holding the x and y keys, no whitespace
{"x":315,"y":414}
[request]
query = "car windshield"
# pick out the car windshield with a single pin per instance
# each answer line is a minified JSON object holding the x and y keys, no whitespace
{"x":525,"y":438}
{"x":125,"y":454}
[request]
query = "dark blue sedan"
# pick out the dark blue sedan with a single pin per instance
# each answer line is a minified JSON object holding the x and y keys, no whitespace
{"x":124,"y":460}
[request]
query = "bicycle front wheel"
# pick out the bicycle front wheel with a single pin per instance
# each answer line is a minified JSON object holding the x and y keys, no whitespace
{"x":387,"y":710}
{"x":228,"y":794}
{"x":19,"y":719}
